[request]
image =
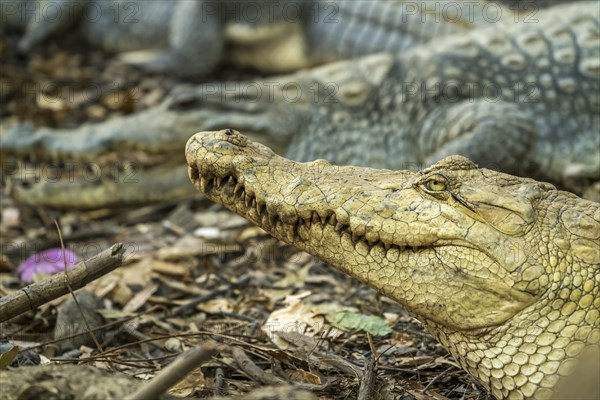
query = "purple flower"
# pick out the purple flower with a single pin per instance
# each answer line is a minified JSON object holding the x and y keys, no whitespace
{"x":47,"y":262}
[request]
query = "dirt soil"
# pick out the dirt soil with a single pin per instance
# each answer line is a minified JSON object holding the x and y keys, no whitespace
{"x":193,"y":272}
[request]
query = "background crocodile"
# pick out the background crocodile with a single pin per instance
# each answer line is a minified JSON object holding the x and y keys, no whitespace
{"x":356,"y":27}
{"x":192,"y":37}
{"x":504,"y":271}
{"x":188,"y":37}
{"x":522,"y":99}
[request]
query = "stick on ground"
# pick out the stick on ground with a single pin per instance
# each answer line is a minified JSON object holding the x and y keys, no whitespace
{"x":176,"y":371}
{"x":367,"y":384}
{"x":36,"y":294}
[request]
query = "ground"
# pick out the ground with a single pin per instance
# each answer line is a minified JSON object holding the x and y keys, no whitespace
{"x":193,"y":270}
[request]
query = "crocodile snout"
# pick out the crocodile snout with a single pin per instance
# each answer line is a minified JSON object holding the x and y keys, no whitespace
{"x":221,"y":154}
{"x":232,"y":136}
{"x":218,"y":141}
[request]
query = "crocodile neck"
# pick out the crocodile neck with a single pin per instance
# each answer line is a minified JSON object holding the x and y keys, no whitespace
{"x":504,"y":271}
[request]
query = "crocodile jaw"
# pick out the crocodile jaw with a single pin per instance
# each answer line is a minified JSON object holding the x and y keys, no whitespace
{"x":513,"y":342}
{"x":412,"y":246}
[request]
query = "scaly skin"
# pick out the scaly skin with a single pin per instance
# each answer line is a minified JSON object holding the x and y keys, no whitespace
{"x":187,"y":38}
{"x":516,"y":98}
{"x":384,"y":111}
{"x":157,"y":132}
{"x":352,"y":34}
{"x":166,"y":29}
{"x":111,"y":188}
{"x":504,"y":271}
{"x":352,"y":30}
{"x":190,"y":37}
{"x":521,"y":99}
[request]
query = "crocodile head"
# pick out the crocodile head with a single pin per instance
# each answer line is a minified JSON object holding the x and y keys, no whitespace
{"x":505,"y":271}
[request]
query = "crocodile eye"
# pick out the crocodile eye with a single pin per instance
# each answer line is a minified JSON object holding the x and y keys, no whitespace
{"x":435,"y":185}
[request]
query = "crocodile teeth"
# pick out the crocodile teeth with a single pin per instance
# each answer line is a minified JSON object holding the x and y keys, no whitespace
{"x":323,"y":220}
{"x":264,"y":218}
{"x":272,"y":219}
{"x":203,"y":183}
{"x":333,"y":220}
{"x":387,"y":246}
{"x":248,"y":201}
{"x":315,"y":217}
{"x":338,"y":227}
{"x":355,"y":238}
{"x":289,"y":231}
{"x":237,"y":188}
{"x":230,"y":181}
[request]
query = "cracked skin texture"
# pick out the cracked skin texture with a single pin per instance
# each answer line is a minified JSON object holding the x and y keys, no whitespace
{"x":504,"y":271}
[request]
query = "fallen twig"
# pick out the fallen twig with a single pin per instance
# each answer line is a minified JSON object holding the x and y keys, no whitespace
{"x":36,"y":294}
{"x":307,"y":347}
{"x":191,"y":305}
{"x":252,"y":370}
{"x":219,"y":382}
{"x":176,"y":371}
{"x":68,"y":284}
{"x":367,"y":383}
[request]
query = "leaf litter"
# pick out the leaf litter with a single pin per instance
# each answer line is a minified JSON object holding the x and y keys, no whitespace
{"x":193,"y":272}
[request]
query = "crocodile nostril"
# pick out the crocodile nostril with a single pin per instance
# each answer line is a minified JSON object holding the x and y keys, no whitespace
{"x":232,"y":136}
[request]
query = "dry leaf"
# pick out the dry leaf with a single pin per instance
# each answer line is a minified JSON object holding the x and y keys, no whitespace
{"x":173,"y":344}
{"x":140,"y":298}
{"x":251,"y":233}
{"x":190,"y":384}
{"x":137,"y":273}
{"x":10,"y":217}
{"x":52,"y":103}
{"x":413,"y":361}
{"x":208,"y":232}
{"x":274,"y":295}
{"x":114,"y":314}
{"x":296,"y":318}
{"x":299,"y":375}
{"x":121,"y":294}
{"x":295,"y":277}
{"x":216,"y":306}
{"x":169,"y":268}
{"x":5,"y":264}
{"x":189,"y":246}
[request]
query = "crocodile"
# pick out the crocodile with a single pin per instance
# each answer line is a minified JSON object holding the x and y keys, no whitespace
{"x":521,"y":98}
{"x":342,"y":29}
{"x":190,"y":38}
{"x":390,"y":110}
{"x":504,"y":271}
